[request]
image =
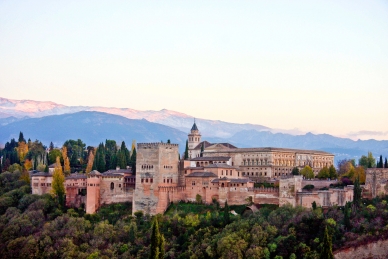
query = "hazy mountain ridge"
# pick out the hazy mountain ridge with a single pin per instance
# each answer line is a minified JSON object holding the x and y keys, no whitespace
{"x":177,"y":120}
{"x":92,"y":128}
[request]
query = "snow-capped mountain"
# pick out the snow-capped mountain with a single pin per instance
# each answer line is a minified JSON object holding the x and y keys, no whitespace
{"x":177,"y":120}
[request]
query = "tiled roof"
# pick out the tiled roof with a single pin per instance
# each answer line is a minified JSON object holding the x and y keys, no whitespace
{"x":41,"y":174}
{"x":205,"y":143}
{"x":201,"y":174}
{"x":211,"y":158}
{"x":194,"y":167}
{"x":218,"y":165}
{"x":77,"y":176}
{"x":274,"y":149}
{"x":194,"y":127}
{"x":114,"y":171}
{"x":232,"y":180}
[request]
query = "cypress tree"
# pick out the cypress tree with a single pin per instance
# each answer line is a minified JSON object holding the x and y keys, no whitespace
{"x":347,"y":215}
{"x":133,"y":160}
{"x":202,"y":149}
{"x":386,"y":163}
{"x":381,"y":162}
{"x":356,"y":193}
{"x":46,"y":169}
{"x":226,"y":213}
{"x":21,"y":137}
{"x":327,"y":249}
{"x":187,"y":150}
{"x":157,"y":242}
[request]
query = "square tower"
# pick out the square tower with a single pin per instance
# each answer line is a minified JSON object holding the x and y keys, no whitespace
{"x":156,"y":166}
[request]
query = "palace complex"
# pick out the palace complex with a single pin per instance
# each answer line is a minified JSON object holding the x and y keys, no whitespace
{"x":213,"y":171}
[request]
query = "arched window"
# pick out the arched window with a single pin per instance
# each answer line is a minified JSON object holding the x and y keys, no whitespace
{"x":112,"y":186}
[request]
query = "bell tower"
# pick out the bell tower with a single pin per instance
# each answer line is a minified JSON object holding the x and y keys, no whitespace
{"x":194,"y":138}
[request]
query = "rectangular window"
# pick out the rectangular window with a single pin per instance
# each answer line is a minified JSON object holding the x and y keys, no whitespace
{"x":193,"y":183}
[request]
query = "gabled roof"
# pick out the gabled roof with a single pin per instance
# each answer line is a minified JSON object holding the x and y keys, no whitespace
{"x":41,"y":174}
{"x":201,"y":174}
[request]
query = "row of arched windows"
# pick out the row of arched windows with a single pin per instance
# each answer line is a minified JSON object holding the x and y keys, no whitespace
{"x":147,"y":167}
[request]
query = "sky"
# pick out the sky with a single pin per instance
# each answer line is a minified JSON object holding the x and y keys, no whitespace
{"x":319,"y":66}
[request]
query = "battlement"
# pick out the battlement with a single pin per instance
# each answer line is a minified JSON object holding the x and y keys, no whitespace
{"x":155,"y":144}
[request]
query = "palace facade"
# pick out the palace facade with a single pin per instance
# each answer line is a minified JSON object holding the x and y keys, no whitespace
{"x":213,"y":172}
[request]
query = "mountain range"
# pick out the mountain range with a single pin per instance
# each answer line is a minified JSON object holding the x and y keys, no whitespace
{"x":48,"y":121}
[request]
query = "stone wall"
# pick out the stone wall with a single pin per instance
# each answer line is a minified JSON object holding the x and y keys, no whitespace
{"x":156,"y":165}
{"x":376,"y":182}
{"x":318,"y":184}
{"x":375,"y":250}
{"x":116,"y":194}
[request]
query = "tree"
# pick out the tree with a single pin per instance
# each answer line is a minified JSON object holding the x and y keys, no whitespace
{"x":202,"y":149}
{"x":51,"y":148}
{"x":367,"y":161}
{"x":66,"y":167}
{"x":90,"y":162}
{"x":226,"y":213}
{"x":347,"y":215}
{"x":356,"y":194}
{"x":133,"y":160}
{"x":157,"y":241}
{"x":187,"y":150}
{"x":295,"y":171}
{"x":27,"y":165}
{"x":53,"y":156}
{"x":343,"y":165}
{"x":327,"y":249}
{"x":314,"y":205}
{"x":168,"y":141}
{"x":307,"y":172}
{"x":324,"y":173}
{"x":21,"y":137}
{"x":58,"y":188}
{"x":332,"y":172}
{"x":22,"y":150}
{"x":386,"y":163}
{"x":380,"y":163}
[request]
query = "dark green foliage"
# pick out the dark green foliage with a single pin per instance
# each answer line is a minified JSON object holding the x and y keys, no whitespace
{"x":326,"y":252}
{"x":295,"y":171}
{"x":308,"y":187}
{"x":51,"y":146}
{"x":133,"y":160}
{"x":347,"y":215}
{"x":314,"y":205}
{"x":226,"y":213}
{"x":21,"y":137}
{"x":187,"y":150}
{"x":386,"y":163}
{"x":357,"y":193}
{"x":157,"y":241}
{"x":202,"y":149}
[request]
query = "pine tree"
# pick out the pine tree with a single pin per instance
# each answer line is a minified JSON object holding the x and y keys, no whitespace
{"x":226,"y":213}
{"x":327,"y":249}
{"x":157,"y":242}
{"x":187,"y":150}
{"x":58,"y":188}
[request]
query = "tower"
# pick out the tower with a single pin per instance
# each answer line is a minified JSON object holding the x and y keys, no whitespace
{"x":156,"y":167}
{"x":194,"y":138}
